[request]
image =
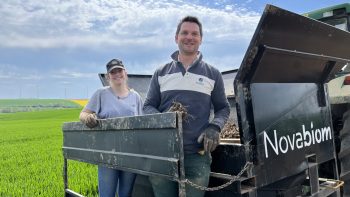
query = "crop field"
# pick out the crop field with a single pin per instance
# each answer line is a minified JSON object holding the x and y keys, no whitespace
{"x":81,"y":102}
{"x":21,"y":105}
{"x":31,"y":155}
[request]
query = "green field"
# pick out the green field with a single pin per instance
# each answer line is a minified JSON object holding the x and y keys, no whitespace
{"x":22,"y":105}
{"x":31,"y":155}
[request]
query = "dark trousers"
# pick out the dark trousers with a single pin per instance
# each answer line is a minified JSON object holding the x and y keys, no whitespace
{"x":197,"y":170}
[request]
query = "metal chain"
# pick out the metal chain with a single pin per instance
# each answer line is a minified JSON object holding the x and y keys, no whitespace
{"x":234,"y":178}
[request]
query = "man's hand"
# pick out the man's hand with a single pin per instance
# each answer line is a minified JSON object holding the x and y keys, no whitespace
{"x":210,"y":138}
{"x":90,"y":120}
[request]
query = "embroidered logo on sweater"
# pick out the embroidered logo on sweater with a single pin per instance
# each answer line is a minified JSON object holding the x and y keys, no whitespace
{"x":200,"y":81}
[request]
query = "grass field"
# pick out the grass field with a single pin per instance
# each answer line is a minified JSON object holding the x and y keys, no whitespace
{"x":21,"y":105}
{"x":31,"y":155}
{"x":81,"y":102}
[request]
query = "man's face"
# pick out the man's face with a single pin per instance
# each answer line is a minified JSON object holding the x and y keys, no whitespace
{"x":189,"y":38}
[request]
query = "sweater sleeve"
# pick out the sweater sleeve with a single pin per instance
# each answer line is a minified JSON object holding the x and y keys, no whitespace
{"x":152,"y":100}
{"x":220,"y":103}
{"x":139,"y":103}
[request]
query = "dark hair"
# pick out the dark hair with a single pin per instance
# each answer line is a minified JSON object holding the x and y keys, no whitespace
{"x":191,"y":19}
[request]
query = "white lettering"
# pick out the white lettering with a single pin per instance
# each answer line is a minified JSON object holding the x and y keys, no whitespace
{"x":291,"y":143}
{"x":325,"y":131}
{"x":301,"y":139}
{"x":306,"y":135}
{"x":312,"y":133}
{"x":318,"y":135}
{"x":285,"y":142}
{"x":275,"y":148}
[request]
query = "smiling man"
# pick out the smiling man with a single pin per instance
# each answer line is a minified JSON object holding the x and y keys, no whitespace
{"x":189,"y":80}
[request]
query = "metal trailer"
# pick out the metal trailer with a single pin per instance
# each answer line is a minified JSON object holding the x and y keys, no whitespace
{"x":339,"y":91}
{"x":148,"y":145}
{"x":283,"y":107}
{"x":283,"y":114}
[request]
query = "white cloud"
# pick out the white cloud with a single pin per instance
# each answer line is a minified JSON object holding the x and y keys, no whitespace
{"x":13,"y":73}
{"x":226,"y":63}
{"x":68,"y":74}
{"x":52,"y":23}
{"x":62,"y":44}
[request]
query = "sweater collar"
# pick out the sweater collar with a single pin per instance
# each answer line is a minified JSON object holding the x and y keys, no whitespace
{"x":175,"y":57}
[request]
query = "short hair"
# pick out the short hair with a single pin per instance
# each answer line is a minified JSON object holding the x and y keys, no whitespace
{"x":191,"y":19}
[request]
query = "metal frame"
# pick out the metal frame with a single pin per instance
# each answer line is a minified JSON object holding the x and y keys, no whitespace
{"x":326,"y":65}
{"x":163,"y":130}
{"x":281,"y":86}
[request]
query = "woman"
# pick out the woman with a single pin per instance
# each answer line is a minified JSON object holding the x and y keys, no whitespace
{"x":113,"y":101}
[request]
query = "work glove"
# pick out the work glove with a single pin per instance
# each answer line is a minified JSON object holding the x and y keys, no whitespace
{"x":210,"y":138}
{"x":90,"y":120}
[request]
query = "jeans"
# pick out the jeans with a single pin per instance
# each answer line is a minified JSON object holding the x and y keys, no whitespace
{"x":109,"y":180}
{"x":197,"y":170}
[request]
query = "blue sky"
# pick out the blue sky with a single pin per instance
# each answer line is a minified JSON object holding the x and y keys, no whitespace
{"x":56,"y":48}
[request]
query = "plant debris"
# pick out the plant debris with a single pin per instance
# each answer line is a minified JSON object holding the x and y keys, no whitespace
{"x":179,"y":108}
{"x":230,"y":130}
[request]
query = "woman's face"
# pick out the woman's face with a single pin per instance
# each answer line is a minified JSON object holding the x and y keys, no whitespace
{"x":117,"y":76}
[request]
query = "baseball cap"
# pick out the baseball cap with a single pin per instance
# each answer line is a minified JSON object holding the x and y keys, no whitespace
{"x":114,"y":63}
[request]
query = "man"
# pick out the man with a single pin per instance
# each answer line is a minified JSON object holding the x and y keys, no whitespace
{"x":196,"y":85}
